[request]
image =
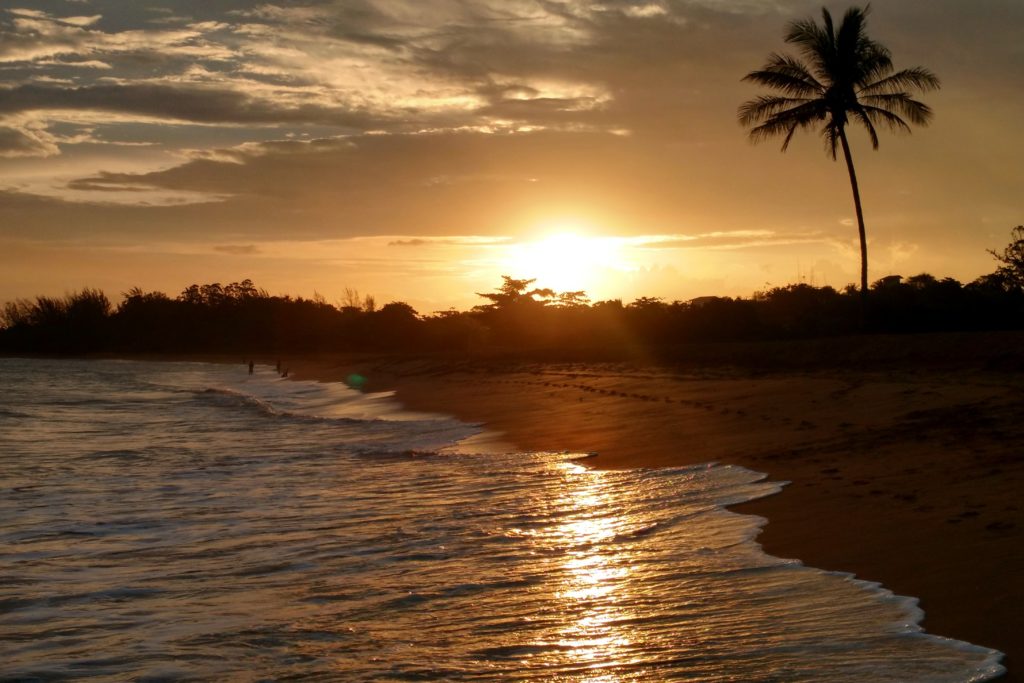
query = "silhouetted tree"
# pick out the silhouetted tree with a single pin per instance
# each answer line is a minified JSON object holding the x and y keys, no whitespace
{"x":396,"y":326}
{"x":351,"y":300}
{"x":88,"y":312}
{"x":572,"y":299}
{"x":17,"y":313}
{"x":1011,"y":272}
{"x":844,"y":77}
{"x":454,"y":330}
{"x":511,"y":293}
{"x":150,"y":321}
{"x":243,"y":291}
{"x":192,"y":295}
{"x":801,"y":310}
{"x":75,"y":323}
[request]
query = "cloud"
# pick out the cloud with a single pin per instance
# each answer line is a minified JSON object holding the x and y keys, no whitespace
{"x":731,"y":239}
{"x":30,"y":35}
{"x":83,"y":64}
{"x":238,"y":249}
{"x":462,"y":241}
{"x":81,"y":21}
{"x":384,"y":181}
{"x":356,"y":67}
{"x":183,"y":102}
{"x":369,"y":185}
{"x":105,"y":183}
{"x":26,"y":142}
{"x":416,"y":242}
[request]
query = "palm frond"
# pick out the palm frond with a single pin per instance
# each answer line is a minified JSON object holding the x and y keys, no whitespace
{"x":893,"y":120}
{"x":767,"y":107}
{"x":874,"y":63}
{"x":816,"y":43}
{"x":851,"y":37}
{"x":775,"y":127}
{"x":901,"y":104}
{"x":866,"y":121}
{"x":802,"y":115}
{"x":789,"y":136}
{"x":830,"y":134}
{"x":806,"y":34}
{"x":784,"y":73}
{"x":764,"y":107}
{"x":917,"y":78}
{"x":860,"y":59}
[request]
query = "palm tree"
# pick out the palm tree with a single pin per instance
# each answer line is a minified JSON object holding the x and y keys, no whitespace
{"x":844,"y":77}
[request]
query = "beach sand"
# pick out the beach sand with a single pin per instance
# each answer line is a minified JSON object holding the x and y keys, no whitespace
{"x":911,"y":477}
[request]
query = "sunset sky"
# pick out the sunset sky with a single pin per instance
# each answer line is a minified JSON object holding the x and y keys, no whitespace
{"x":418,"y":149}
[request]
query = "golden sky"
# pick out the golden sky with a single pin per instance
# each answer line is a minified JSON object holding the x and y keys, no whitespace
{"x":418,"y":149}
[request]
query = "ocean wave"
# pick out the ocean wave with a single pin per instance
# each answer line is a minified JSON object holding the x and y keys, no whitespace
{"x":244,"y":528}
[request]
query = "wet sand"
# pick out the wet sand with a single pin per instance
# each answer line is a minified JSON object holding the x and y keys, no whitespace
{"x":910,"y":477}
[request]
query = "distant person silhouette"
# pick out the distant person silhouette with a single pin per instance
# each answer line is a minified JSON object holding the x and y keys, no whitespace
{"x":251,"y":366}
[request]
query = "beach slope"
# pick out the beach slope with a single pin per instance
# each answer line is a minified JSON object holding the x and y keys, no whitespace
{"x":910,"y":477}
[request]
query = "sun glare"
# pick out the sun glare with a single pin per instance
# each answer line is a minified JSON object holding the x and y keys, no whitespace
{"x":566,"y":261}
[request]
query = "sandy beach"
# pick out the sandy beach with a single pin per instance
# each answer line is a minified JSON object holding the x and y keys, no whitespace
{"x":905,"y":457}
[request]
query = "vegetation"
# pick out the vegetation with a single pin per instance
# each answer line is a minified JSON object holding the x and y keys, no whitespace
{"x":844,"y":77}
{"x":516,"y":318}
{"x":1010,"y":275}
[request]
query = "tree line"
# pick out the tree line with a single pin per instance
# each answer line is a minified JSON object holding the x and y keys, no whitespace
{"x":243,"y":318}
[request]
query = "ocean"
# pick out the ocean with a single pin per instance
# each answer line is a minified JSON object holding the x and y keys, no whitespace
{"x":187,"y":521}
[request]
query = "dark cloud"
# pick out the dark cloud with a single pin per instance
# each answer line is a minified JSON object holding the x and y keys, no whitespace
{"x":525,"y":63}
{"x":190,"y":103}
{"x":16,"y":142}
{"x":105,"y":182}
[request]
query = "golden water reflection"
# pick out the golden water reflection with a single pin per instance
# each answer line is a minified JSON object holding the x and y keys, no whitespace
{"x":595,"y":589}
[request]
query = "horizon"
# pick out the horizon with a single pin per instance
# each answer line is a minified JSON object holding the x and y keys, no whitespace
{"x":396,"y":147}
{"x":368,"y":302}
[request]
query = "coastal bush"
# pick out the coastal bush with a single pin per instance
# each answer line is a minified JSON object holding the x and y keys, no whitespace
{"x":1011,"y":273}
{"x":240,"y":318}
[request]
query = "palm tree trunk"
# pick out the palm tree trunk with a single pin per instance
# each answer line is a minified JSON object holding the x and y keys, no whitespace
{"x":860,"y":215}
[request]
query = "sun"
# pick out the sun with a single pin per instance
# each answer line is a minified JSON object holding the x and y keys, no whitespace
{"x":566,"y":261}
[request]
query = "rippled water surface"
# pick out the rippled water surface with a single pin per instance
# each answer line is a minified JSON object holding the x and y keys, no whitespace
{"x":183,"y":521}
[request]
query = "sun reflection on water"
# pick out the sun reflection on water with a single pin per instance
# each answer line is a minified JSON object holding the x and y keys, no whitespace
{"x":595,"y":585}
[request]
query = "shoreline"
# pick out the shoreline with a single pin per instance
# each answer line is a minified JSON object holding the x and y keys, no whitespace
{"x":909,"y":479}
{"x":905,"y":471}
